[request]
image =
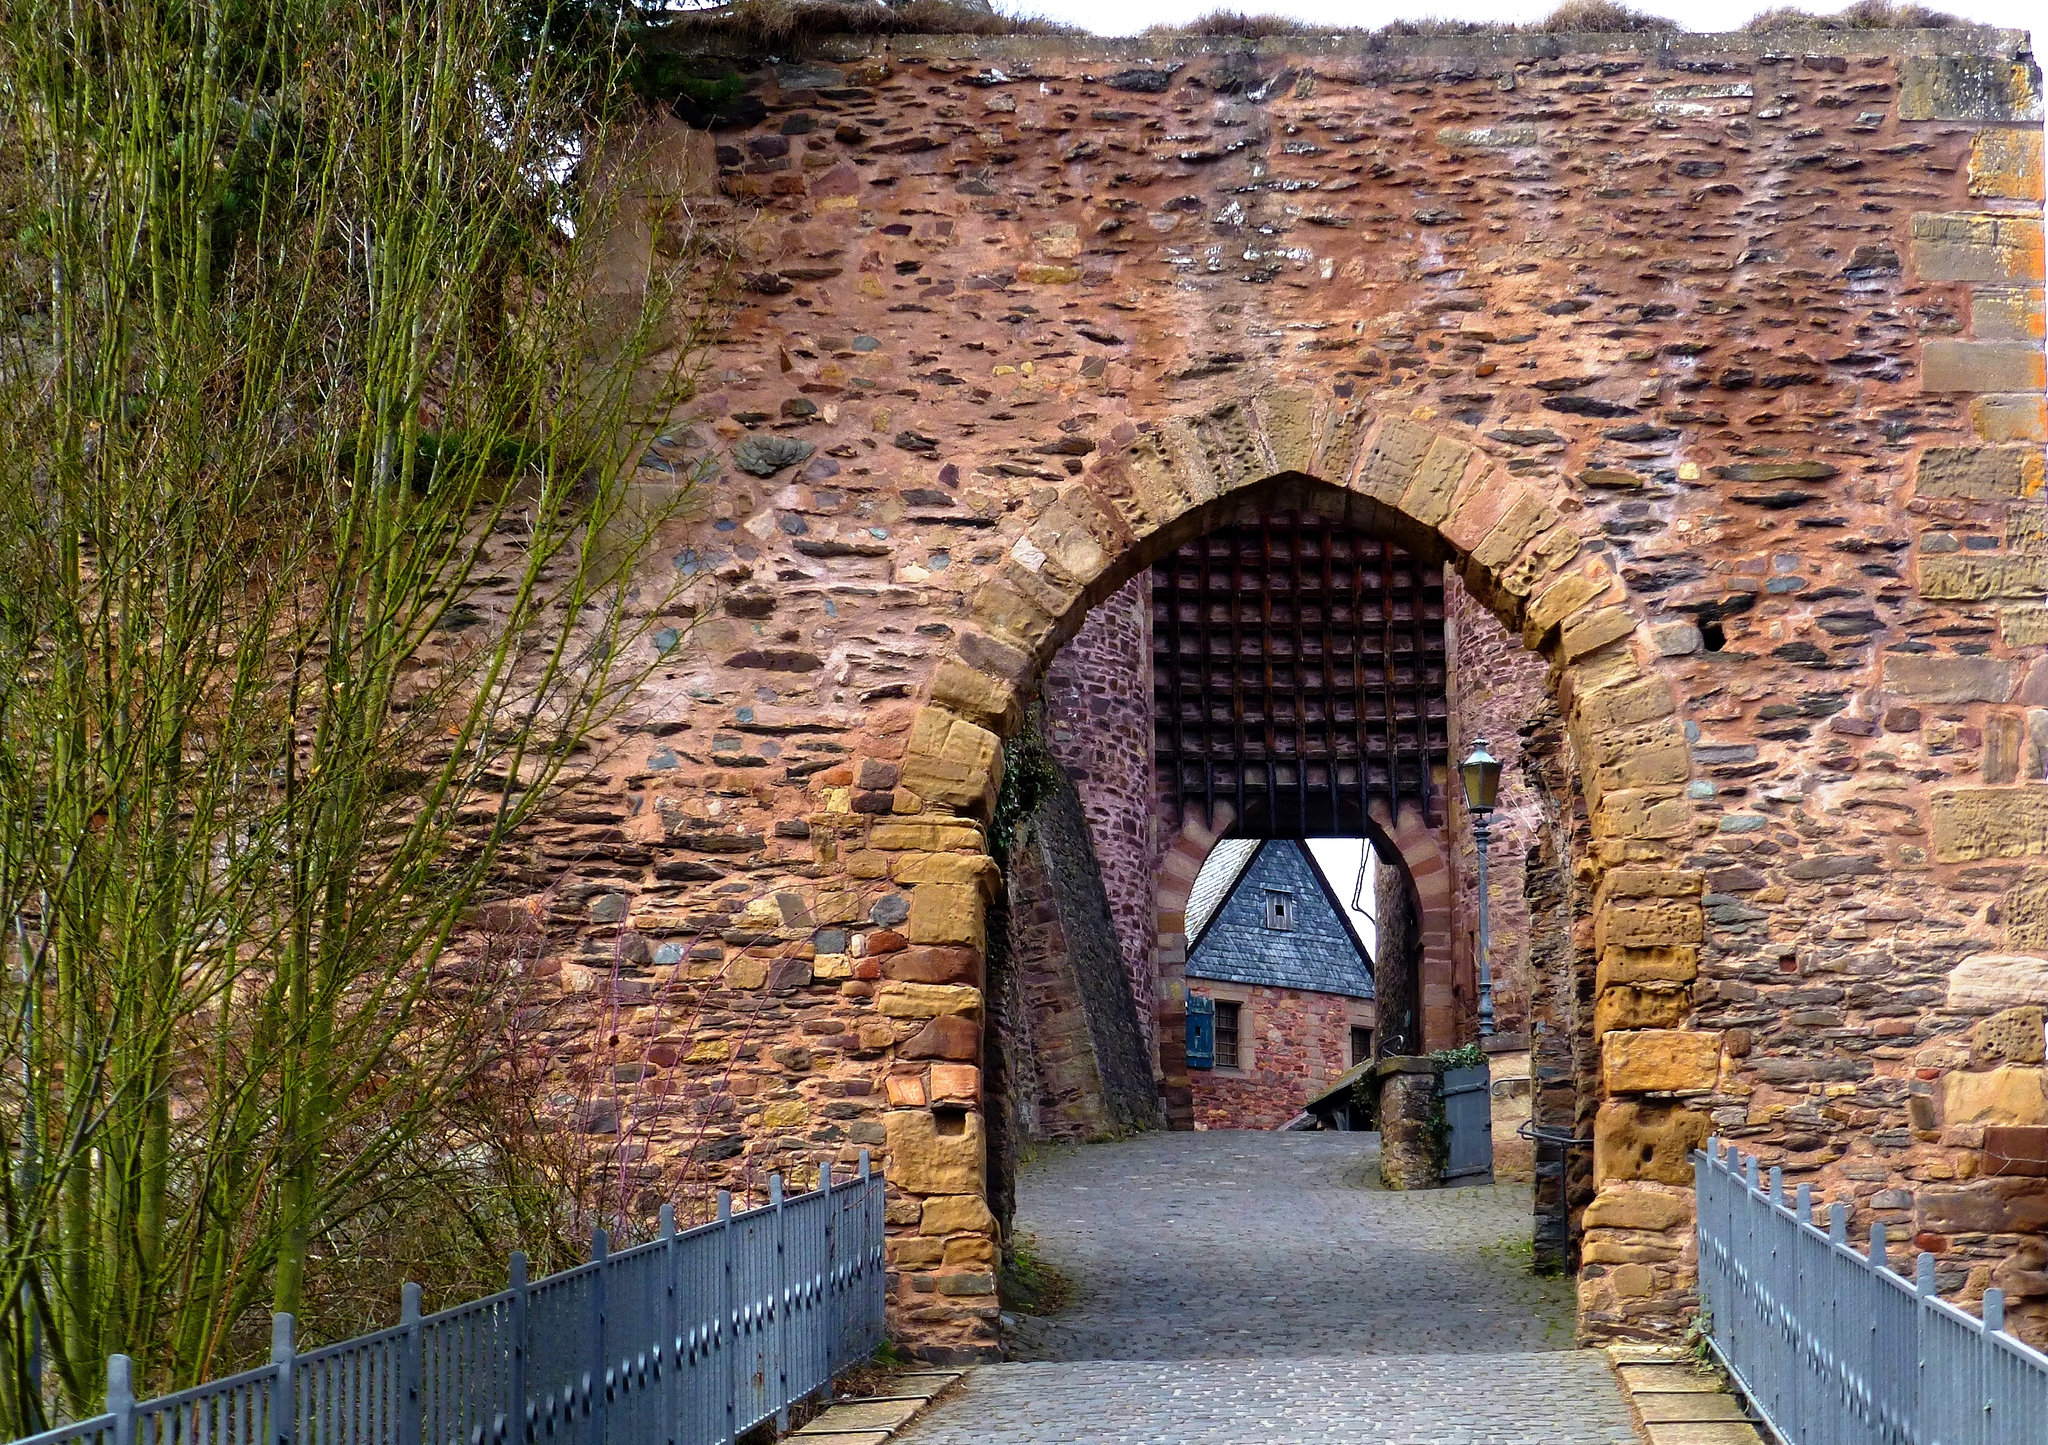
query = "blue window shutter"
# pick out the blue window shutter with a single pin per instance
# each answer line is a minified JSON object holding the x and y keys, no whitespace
{"x":1201,"y":1032}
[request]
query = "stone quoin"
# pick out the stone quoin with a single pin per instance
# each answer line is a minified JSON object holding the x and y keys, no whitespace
{"x":1708,"y":367}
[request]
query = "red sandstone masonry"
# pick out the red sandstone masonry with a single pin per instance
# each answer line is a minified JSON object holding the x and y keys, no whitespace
{"x":1631,"y":330}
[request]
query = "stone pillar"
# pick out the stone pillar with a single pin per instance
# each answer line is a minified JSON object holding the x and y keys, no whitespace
{"x":1408,"y":1096}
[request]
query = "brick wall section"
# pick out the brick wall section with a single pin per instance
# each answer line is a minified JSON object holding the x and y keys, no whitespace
{"x":1292,"y":1043}
{"x":1098,"y":723}
{"x":1693,"y":355}
{"x":1496,"y":686}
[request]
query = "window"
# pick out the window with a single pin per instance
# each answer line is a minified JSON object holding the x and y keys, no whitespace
{"x":1226,"y":1034}
{"x":1279,"y":909}
{"x":1361,"y":1045}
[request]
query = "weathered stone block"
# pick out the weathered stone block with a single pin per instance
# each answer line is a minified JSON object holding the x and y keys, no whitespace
{"x":927,"y":1000}
{"x":2008,"y":313}
{"x":1964,"y":577}
{"x":2006,"y":163}
{"x":1636,"y":1140}
{"x":2016,"y":1036}
{"x":1628,"y":1007}
{"x":1620,"y":966}
{"x":2010,"y":418}
{"x":1660,"y":1061}
{"x":1975,"y":823}
{"x":952,"y":762}
{"x":1992,"y":1206}
{"x":1641,"y":813}
{"x":1949,"y":365}
{"x":1631,"y":881}
{"x":1552,"y":604}
{"x":1642,"y":700}
{"x":1648,"y":923}
{"x":1978,"y":474}
{"x":1926,"y":677}
{"x":1969,"y":87}
{"x":1998,"y":981}
{"x":1393,"y":456}
{"x":1288,"y":418}
{"x":2017,"y":1150}
{"x":976,"y":695}
{"x":934,"y":1154}
{"x":1595,"y":630}
{"x":927,"y":836}
{"x":2026,"y":913}
{"x":964,"y":869}
{"x":950,"y":1036}
{"x":1639,"y":1206}
{"x":956,"y":1214}
{"x":2010,"y":1094}
{"x":950,"y":913}
{"x":1976,"y":246}
{"x":934,"y":965}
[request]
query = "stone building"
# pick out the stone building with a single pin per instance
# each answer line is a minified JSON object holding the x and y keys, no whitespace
{"x":1288,"y":976}
{"x":1703,"y":376}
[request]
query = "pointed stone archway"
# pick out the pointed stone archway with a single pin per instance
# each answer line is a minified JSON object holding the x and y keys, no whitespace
{"x":1439,"y":496}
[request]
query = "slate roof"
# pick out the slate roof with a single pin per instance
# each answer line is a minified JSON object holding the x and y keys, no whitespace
{"x":1320,"y":953}
{"x":1212,"y":885}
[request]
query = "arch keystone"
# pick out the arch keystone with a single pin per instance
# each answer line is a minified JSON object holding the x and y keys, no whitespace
{"x":1287,"y":415}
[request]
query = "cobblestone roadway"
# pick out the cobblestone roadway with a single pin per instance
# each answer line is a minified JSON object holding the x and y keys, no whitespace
{"x":1259,"y":1289}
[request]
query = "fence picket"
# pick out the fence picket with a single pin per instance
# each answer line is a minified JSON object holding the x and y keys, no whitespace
{"x":659,"y":1368}
{"x":1834,"y":1347}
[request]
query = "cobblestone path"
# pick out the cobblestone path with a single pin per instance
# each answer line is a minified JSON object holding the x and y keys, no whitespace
{"x":1261,"y":1289}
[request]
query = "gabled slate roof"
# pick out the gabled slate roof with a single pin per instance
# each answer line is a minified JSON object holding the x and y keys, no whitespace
{"x":1319,"y":953}
{"x":1212,"y":885}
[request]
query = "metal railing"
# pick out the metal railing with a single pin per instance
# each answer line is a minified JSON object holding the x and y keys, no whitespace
{"x":689,"y":1339}
{"x":1834,"y":1348}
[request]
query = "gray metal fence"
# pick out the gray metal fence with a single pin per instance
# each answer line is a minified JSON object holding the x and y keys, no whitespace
{"x":689,"y":1339}
{"x":1832,"y":1346}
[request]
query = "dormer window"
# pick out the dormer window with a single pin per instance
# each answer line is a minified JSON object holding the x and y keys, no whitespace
{"x":1280,"y":909}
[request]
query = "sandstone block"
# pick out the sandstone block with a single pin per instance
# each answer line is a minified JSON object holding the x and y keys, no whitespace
{"x":1653,"y":755}
{"x":2009,"y":1094}
{"x":1976,"y":246}
{"x":1288,"y":417}
{"x":926,"y":836}
{"x":948,"y":913}
{"x":976,"y":695}
{"x":930,"y":1154}
{"x":950,"y":1036}
{"x":1990,"y":1206}
{"x":905,"y":1091}
{"x":963,"y":869}
{"x":1595,"y":630}
{"x":1433,"y":493}
{"x":1552,"y":604}
{"x":2017,"y":1149}
{"x":1926,"y":677}
{"x":1998,"y":981}
{"x":1630,"y":704}
{"x":1978,"y":474}
{"x":1660,"y":1061}
{"x":2006,"y":164}
{"x":927,"y":1000}
{"x":1393,"y":456}
{"x":1969,"y":87}
{"x":908,"y":1253}
{"x":956,"y":1214}
{"x":1638,"y":1206}
{"x":1631,"y":881}
{"x":1976,"y":823}
{"x":1949,"y":365}
{"x":1620,"y":966}
{"x":1529,"y":518}
{"x":969,"y":1252}
{"x":1045,"y":273}
{"x":1628,"y":1007}
{"x":746,"y":972}
{"x":2010,"y":418}
{"x":787,"y":1114}
{"x":934,"y":964}
{"x":2015,"y":1036}
{"x":2008,"y":313}
{"x":1647,"y":813}
{"x":966,"y":1286}
{"x":1648,"y":923}
{"x":952,"y":762}
{"x":2026,"y":913}
{"x":955,"y":1084}
{"x":1633,"y":1140}
{"x":1002,"y":607}
{"x":1958,"y":577}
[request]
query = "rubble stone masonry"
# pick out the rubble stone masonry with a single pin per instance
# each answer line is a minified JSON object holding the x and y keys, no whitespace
{"x":1709,"y":363}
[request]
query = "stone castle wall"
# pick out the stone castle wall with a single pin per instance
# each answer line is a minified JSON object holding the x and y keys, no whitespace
{"x":1711,"y":366}
{"x":1496,"y":686}
{"x":1098,"y":724}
